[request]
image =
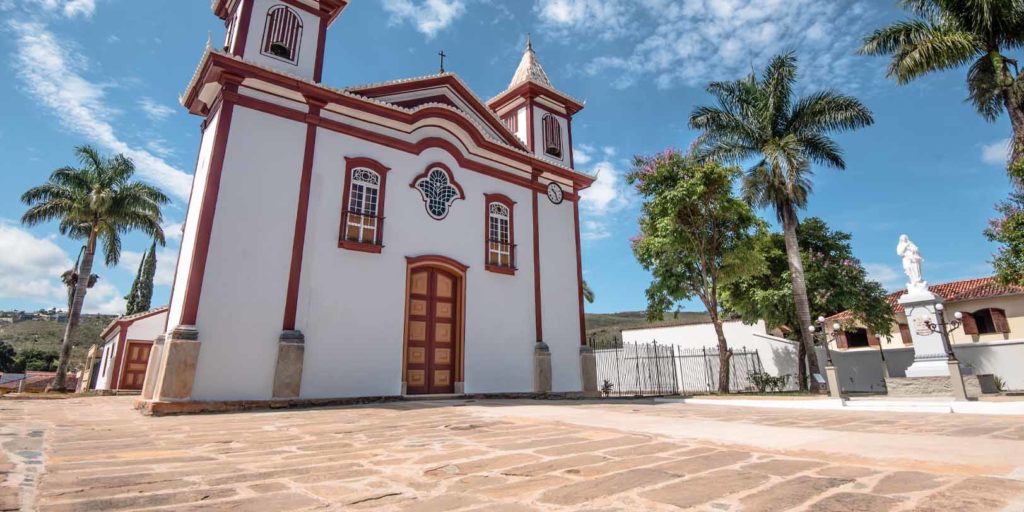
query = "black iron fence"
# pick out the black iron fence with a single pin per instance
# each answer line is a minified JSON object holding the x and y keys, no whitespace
{"x":653,"y":369}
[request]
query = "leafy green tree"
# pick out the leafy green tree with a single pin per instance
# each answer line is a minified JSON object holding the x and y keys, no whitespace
{"x":836,"y":282}
{"x":588,"y":294}
{"x":948,"y":34}
{"x":758,"y":118}
{"x":7,"y":355}
{"x":141,"y":294}
{"x":96,"y":202}
{"x":695,"y":236}
{"x":35,"y":360}
{"x":1008,"y":231}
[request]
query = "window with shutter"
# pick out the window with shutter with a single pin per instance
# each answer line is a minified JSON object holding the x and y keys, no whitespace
{"x":970,"y":325}
{"x":282,"y":34}
{"x":552,"y":135}
{"x":362,"y":215}
{"x":905,"y":335}
{"x":999,"y":321}
{"x":499,"y":244}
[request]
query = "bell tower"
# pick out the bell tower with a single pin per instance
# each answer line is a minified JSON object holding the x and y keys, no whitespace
{"x":540,"y":115}
{"x":283,"y":35}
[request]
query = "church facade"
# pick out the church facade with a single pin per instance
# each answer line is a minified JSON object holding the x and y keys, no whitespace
{"x":389,"y":239}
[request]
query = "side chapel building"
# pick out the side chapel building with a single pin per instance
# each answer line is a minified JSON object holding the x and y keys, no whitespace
{"x":396,"y":238}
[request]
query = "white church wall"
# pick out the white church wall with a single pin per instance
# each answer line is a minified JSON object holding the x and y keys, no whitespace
{"x":538,"y":137}
{"x":307,"y":47}
{"x":148,"y":328}
{"x":188,"y":238}
{"x":560,"y":292}
{"x":247,"y":267}
{"x":106,"y":363}
{"x":352,"y":304}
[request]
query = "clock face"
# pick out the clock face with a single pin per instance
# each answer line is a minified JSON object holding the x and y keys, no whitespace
{"x":555,"y":193}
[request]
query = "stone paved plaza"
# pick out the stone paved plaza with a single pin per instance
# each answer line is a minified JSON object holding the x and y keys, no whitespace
{"x":96,"y":453}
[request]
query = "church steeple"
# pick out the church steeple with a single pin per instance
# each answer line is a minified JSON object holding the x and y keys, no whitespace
{"x":529,"y":68}
{"x":539,"y":114}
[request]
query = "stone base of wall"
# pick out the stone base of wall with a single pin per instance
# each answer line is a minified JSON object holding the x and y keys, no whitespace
{"x":930,"y":386}
{"x":157,"y":408}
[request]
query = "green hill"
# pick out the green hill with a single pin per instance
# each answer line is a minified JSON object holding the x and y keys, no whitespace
{"x":605,"y":329}
{"x":46,"y":335}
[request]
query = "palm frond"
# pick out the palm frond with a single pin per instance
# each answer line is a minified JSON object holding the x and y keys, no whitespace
{"x":984,"y":90}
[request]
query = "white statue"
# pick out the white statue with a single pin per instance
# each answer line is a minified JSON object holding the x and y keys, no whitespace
{"x":911,"y":264}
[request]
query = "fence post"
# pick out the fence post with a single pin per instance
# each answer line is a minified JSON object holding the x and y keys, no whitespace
{"x":707,"y":369}
{"x":618,"y":376}
{"x":639,"y":381}
{"x":675,"y":372}
{"x":657,"y":369}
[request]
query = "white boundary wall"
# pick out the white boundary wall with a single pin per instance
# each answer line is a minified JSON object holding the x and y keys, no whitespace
{"x":778,"y":355}
{"x":861,"y":370}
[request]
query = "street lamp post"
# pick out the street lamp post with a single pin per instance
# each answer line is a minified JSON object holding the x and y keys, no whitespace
{"x":831,"y":374}
{"x":943,"y":329}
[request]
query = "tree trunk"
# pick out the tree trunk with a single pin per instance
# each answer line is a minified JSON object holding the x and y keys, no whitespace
{"x":803,"y":308}
{"x":74,"y":315}
{"x":1015,"y":109}
{"x":724,"y":356}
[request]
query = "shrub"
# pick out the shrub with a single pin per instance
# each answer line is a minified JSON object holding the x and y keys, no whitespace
{"x":606,"y":388}
{"x":765,"y":382}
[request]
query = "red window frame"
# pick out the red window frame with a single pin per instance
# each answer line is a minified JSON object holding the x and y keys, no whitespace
{"x":377,"y":244}
{"x":283,"y":26}
{"x":507,"y":202}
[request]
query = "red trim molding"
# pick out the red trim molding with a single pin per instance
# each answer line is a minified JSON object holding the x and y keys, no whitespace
{"x":321,"y":42}
{"x":435,"y":258}
{"x":194,"y":286}
{"x":451,"y":181}
{"x":510,"y":204}
{"x":352,"y":163}
{"x":217,"y":64}
{"x":242,"y":30}
{"x":482,"y":110}
{"x":579,"y":271}
{"x":291,"y":302}
{"x":531,"y":89}
{"x":538,"y":321}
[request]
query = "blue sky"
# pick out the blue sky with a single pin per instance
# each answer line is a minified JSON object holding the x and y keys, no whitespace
{"x":108,"y":73}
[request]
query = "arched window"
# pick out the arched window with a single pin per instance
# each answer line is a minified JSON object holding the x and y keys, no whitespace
{"x":362,"y":219}
{"x":552,"y":135}
{"x":282,"y":34}
{"x":499,"y":246}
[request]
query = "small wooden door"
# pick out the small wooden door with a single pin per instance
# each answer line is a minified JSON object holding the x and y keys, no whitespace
{"x":431,"y":332}
{"x":136,"y":360}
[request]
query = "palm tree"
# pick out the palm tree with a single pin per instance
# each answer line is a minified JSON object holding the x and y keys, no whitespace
{"x":588,"y":294}
{"x":96,"y":203}
{"x":759,"y":118}
{"x":947,"y":34}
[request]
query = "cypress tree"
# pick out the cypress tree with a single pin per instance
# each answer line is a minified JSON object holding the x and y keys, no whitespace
{"x":142,"y":287}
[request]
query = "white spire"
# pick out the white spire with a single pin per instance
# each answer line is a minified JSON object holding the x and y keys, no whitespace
{"x":529,"y":68}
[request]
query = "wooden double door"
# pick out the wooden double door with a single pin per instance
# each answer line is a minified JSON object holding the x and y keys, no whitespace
{"x":135,"y":363}
{"x":432,"y":331}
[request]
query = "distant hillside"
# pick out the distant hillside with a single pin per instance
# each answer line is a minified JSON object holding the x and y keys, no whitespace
{"x":46,"y":335}
{"x":606,"y":328}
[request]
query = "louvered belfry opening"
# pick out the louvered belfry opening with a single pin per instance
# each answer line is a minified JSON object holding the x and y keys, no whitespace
{"x":282,"y":34}
{"x":552,"y":136}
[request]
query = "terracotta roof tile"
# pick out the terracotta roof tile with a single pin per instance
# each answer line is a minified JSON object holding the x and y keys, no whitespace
{"x":956,"y":291}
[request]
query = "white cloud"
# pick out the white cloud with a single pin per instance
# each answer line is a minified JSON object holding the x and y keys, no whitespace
{"x":173,"y":230}
{"x":166,"y":260}
{"x":51,"y":72}
{"x":30,"y":267}
{"x":692,"y":42}
{"x":997,"y":153}
{"x":69,"y":8}
{"x":154,"y":110}
{"x":608,"y":195}
{"x":428,"y":16}
{"x":606,"y":20}
{"x":886,"y":275}
{"x":582,"y":154}
{"x":104,"y":298}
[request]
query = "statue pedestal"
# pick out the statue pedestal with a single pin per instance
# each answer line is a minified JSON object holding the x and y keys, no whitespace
{"x":929,"y":353}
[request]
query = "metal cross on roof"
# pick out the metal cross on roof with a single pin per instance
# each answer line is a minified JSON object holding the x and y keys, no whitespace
{"x":442,"y":55}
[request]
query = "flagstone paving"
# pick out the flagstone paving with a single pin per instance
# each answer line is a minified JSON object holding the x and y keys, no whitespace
{"x":96,"y":453}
